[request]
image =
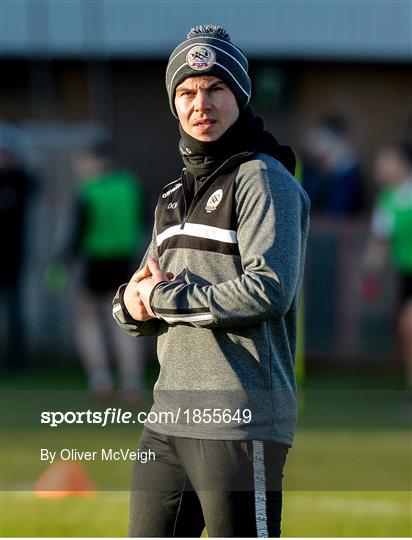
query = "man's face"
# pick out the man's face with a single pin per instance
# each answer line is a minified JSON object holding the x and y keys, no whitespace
{"x":206,"y":107}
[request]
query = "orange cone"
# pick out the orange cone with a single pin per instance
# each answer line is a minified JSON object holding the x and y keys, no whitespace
{"x":63,"y":479}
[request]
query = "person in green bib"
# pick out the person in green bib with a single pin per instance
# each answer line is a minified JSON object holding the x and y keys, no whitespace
{"x":391,"y":229}
{"x":109,"y":230}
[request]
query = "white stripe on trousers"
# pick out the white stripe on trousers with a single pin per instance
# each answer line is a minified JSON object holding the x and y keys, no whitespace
{"x":260,"y":489}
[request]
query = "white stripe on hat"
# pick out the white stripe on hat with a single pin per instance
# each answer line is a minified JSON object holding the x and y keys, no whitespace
{"x":229,"y":43}
{"x":201,"y":36}
{"x":200,"y":231}
{"x":205,"y":74}
{"x":174,"y":75}
{"x":233,"y":77}
{"x":214,"y":46}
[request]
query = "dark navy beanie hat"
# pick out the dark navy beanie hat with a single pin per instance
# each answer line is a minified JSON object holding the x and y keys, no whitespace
{"x":208,"y":50}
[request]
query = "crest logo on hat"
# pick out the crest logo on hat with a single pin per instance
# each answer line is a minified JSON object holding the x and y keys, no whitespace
{"x":201,"y":57}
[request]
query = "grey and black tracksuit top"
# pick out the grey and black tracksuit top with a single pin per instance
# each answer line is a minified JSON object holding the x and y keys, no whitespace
{"x":227,"y":323}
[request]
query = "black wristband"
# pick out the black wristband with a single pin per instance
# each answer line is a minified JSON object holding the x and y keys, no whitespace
{"x":128,"y":318}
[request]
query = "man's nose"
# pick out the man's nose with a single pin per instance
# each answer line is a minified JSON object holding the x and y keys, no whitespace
{"x":202,"y":101}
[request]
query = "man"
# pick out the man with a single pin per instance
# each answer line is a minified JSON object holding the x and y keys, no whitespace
{"x":331,"y":172}
{"x":391,"y":235}
{"x":219,"y":286}
{"x":17,"y":188}
{"x":107,"y":231}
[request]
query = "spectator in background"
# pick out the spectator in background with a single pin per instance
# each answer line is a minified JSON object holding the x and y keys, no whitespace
{"x":391,"y":230}
{"x":331,"y":173}
{"x":16,"y":187}
{"x":106,"y":238}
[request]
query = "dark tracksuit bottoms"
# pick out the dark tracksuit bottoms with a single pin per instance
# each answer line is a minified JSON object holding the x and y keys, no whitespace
{"x":233,"y":488}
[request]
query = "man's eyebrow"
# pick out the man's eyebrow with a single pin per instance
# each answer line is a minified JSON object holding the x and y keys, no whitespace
{"x":184,"y":89}
{"x":217,"y":83}
{"x":188,"y":89}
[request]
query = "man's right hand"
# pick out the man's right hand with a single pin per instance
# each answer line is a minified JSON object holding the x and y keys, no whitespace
{"x":131,"y":297}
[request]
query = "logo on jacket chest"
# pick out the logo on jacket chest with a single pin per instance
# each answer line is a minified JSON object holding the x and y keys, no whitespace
{"x":171,"y":190}
{"x":213,"y":201}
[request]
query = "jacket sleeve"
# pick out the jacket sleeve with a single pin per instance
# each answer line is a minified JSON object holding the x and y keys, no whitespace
{"x":272,"y":214}
{"x":120,"y":313}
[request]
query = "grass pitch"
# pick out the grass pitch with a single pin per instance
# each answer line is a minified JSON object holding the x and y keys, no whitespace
{"x":349,"y":473}
{"x":305,"y":514}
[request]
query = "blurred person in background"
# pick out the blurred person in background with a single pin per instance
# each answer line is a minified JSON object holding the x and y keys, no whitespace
{"x":331,"y":172}
{"x":16,"y":188}
{"x":106,"y":236}
{"x":391,"y":232}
